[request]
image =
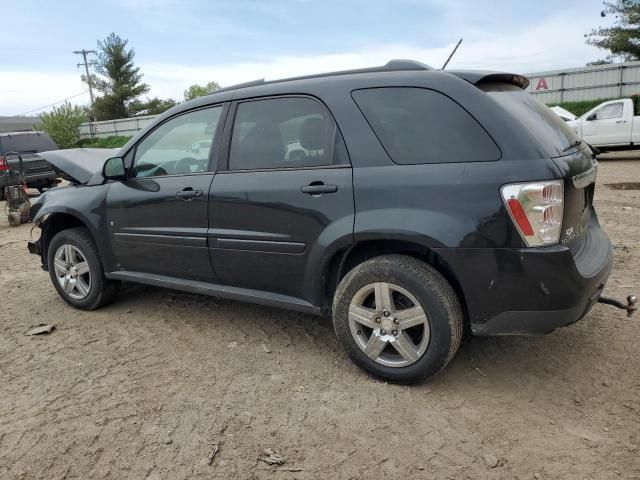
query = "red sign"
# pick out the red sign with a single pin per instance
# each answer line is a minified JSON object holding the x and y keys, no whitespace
{"x":542,"y":84}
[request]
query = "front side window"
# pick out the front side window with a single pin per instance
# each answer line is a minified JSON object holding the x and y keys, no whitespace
{"x":613,"y":110}
{"x":180,"y":146}
{"x":416,"y":126}
{"x":284,"y":133}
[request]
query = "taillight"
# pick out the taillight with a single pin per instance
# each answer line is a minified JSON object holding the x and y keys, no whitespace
{"x":536,"y":210}
{"x":4,"y":165}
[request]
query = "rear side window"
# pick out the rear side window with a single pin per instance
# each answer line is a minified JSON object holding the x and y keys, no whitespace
{"x":27,"y":143}
{"x":288,"y":132}
{"x":416,"y":125}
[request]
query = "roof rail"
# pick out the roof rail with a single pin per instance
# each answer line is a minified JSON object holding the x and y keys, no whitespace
{"x":391,"y":66}
{"x":402,"y":64}
{"x":252,"y":83}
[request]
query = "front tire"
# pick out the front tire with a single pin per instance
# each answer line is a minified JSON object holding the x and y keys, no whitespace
{"x":76,"y":270}
{"x":397,"y":318}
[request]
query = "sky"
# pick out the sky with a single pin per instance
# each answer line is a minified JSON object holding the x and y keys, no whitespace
{"x":182,"y":42}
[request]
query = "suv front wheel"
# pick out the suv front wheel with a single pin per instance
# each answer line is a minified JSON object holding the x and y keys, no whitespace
{"x":76,"y":270}
{"x":397,"y":318}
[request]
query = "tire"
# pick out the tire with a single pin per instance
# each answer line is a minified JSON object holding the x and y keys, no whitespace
{"x":425,"y":317}
{"x":76,"y":244}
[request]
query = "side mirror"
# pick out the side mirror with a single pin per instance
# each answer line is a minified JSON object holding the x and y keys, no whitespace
{"x":113,"y":169}
{"x":592,"y":117}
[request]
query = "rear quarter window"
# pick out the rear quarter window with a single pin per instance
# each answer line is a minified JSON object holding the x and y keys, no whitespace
{"x":417,"y":126}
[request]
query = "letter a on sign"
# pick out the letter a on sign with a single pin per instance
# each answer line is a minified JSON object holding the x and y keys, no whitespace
{"x":542,"y":84}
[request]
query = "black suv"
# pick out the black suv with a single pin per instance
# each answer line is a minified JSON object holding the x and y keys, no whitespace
{"x":417,"y":202}
{"x":29,"y":144}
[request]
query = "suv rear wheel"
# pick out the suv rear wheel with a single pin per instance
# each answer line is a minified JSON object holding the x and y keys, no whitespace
{"x":397,"y":318}
{"x":76,"y":270}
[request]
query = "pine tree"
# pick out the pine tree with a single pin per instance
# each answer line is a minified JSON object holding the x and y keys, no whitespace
{"x":119,"y":81}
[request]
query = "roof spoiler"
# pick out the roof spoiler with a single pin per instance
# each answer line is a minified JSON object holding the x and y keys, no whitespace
{"x":480,"y":77}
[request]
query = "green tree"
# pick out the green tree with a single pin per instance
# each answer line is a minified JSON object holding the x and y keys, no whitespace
{"x":153,"y":106}
{"x":63,"y":124}
{"x":195,"y":91}
{"x":622,"y":38}
{"x":119,"y":81}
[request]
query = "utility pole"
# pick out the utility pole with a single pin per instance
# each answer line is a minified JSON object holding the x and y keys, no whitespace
{"x":84,"y":54}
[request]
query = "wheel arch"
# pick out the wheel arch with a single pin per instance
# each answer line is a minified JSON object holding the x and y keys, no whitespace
{"x":346,"y":259}
{"x":55,"y":222}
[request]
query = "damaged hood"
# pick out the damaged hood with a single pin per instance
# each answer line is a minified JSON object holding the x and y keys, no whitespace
{"x":79,"y":165}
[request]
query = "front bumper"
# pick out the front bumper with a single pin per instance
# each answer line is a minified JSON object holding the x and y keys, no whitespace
{"x":533,"y":290}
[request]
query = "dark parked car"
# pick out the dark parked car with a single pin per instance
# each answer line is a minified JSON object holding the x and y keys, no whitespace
{"x":424,"y":201}
{"x":38,"y":172}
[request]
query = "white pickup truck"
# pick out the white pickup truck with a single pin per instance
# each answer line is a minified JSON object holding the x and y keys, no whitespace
{"x":610,"y":124}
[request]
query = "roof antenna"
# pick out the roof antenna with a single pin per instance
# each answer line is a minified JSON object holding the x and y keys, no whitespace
{"x":452,"y":54}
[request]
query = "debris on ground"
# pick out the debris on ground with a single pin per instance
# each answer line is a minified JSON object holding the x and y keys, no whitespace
{"x":270,"y":457}
{"x":40,"y":329}
{"x":266,"y":349}
{"x":212,"y":455}
{"x":492,"y":461}
{"x":480,"y":371}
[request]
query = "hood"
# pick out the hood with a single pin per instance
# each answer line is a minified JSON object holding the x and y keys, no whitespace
{"x":78,"y":165}
{"x":566,"y":115}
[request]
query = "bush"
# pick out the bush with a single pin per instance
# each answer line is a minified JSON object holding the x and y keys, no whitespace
{"x":106,"y":142}
{"x":63,"y":124}
{"x":578,"y":108}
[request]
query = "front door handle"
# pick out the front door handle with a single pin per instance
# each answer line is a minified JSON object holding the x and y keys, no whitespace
{"x":188,"y":193}
{"x":318,"y":188}
{"x":621,"y":121}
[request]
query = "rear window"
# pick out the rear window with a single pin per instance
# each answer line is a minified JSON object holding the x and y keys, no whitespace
{"x":552,"y":132}
{"x":417,"y":125}
{"x":26,"y":143}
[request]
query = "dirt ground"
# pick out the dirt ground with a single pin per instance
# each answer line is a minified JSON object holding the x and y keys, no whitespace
{"x":146,"y":387}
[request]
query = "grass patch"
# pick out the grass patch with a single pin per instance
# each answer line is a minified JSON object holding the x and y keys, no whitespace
{"x":579,"y":108}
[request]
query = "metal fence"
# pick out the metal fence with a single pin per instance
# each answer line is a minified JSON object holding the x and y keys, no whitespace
{"x":586,"y":83}
{"x":123,"y":127}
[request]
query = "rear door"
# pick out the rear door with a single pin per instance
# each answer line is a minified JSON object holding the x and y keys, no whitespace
{"x":282,"y":197}
{"x":158,"y":217}
{"x":607,"y":126}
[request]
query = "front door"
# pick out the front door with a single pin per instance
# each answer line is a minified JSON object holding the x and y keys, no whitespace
{"x":285,"y":197}
{"x":607,"y":126}
{"x":158,"y":217}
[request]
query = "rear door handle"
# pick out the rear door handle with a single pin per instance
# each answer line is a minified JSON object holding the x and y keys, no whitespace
{"x":621,"y":121}
{"x":318,"y":188}
{"x":188,"y":193}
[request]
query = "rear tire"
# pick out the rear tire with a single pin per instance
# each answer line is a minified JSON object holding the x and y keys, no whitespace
{"x":410,"y":336}
{"x":76,"y":270}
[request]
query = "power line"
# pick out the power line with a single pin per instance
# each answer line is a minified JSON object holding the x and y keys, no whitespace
{"x":51,"y":104}
{"x":84,"y":54}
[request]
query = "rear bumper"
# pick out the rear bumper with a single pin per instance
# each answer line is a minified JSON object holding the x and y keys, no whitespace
{"x":534,"y":290}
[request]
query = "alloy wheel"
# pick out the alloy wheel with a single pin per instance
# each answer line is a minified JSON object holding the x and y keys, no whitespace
{"x":72,"y":271}
{"x":388,"y":324}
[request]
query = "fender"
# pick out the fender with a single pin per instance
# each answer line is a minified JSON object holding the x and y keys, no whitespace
{"x":85,"y":206}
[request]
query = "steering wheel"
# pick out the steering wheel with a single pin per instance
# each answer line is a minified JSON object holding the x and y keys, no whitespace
{"x":184,"y":165}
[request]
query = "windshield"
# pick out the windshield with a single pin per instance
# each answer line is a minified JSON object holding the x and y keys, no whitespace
{"x":26,"y":143}
{"x":553,"y":132}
